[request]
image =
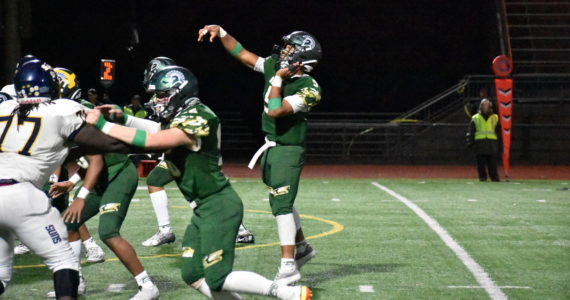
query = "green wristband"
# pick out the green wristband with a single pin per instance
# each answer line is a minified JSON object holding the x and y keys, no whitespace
{"x":100,"y":122}
{"x":274,"y":103}
{"x":114,"y":118}
{"x":140,"y":138}
{"x":237,"y":49}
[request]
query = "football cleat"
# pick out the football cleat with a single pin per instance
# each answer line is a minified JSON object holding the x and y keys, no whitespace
{"x":303,"y":293}
{"x":245,"y":236}
{"x":21,"y":249}
{"x":81,"y":289}
{"x":303,"y":254}
{"x":94,"y":254}
{"x":146,"y":293}
{"x":287,"y":274}
{"x":160,"y":238}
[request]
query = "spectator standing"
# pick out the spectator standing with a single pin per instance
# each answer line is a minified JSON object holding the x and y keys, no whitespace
{"x":483,"y":135}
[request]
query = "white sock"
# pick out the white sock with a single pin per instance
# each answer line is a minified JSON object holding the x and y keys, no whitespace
{"x":76,"y":247}
{"x":297,"y":219}
{"x":223,"y":295}
{"x":143,"y":279}
{"x":204,"y":289}
{"x":89,"y":242}
{"x":160,"y":204}
{"x":286,"y":229}
{"x":165,"y":229}
{"x":253,"y":283}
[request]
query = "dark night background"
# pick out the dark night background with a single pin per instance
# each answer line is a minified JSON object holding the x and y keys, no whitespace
{"x":378,"y":56}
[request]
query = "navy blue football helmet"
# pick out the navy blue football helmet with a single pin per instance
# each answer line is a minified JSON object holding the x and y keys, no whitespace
{"x":23,"y":61}
{"x":36,"y":82}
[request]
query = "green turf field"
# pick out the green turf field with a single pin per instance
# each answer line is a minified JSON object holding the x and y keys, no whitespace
{"x":518,"y":232}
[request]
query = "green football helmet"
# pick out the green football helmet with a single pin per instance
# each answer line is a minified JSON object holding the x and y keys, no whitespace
{"x":175,"y":88}
{"x":298,"y":47}
{"x":69,"y":84}
{"x":154,"y":65}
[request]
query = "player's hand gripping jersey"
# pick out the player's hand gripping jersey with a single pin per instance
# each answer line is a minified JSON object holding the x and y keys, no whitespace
{"x":301,"y":91}
{"x":33,"y":147}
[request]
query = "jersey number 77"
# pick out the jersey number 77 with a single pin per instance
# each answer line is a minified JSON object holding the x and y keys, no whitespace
{"x":30,"y":124}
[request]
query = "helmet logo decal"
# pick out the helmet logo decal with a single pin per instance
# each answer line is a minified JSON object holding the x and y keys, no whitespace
{"x":308,"y":42}
{"x":174,"y":77}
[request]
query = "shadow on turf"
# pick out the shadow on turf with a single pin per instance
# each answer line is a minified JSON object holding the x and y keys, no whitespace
{"x":339,"y":271}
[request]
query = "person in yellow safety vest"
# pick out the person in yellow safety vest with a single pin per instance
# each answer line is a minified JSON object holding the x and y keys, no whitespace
{"x":483,"y":135}
{"x":135,"y":108}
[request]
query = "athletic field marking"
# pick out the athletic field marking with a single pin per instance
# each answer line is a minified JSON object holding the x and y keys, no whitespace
{"x":366,"y":288}
{"x":478,"y":272}
{"x":265,"y":199}
{"x":336,"y":228}
{"x":144,"y":187}
{"x":470,"y":182}
{"x":537,"y":190}
{"x":541,"y":201}
{"x":335,"y":199}
{"x":116,"y":287}
{"x":472,"y":200}
{"x":480,"y":287}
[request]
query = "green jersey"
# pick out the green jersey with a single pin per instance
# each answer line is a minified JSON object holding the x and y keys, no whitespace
{"x":197,"y":168}
{"x":114,"y":162}
{"x":302,"y":92}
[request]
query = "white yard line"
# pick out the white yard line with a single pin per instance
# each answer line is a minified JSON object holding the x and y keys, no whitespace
{"x":480,"y":287}
{"x":478,"y":272}
{"x":366,"y":288}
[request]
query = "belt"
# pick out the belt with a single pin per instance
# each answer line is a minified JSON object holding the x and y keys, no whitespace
{"x":5,"y":182}
{"x":268,"y":144}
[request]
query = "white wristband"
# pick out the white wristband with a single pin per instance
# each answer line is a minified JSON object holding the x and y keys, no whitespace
{"x":107,"y":128}
{"x":222,"y":32}
{"x":83,"y":193}
{"x":276,"y":81}
{"x":75,"y":178}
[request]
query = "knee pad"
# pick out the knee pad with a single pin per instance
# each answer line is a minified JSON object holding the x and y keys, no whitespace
{"x":65,"y":282}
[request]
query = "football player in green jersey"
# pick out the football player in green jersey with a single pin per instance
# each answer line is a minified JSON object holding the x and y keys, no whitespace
{"x":289,"y":94}
{"x":161,"y":176}
{"x":109,"y":184}
{"x":191,"y":132}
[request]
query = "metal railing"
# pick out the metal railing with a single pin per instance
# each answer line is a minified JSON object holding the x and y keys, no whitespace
{"x":443,"y":143}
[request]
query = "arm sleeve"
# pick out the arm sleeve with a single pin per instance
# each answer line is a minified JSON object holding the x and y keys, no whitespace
{"x":143,"y":124}
{"x":260,"y":65}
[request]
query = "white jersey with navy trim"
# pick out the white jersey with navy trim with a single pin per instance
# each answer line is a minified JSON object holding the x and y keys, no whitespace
{"x":31,"y":149}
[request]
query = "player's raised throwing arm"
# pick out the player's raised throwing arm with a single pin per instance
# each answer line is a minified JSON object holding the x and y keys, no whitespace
{"x":230,"y":44}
